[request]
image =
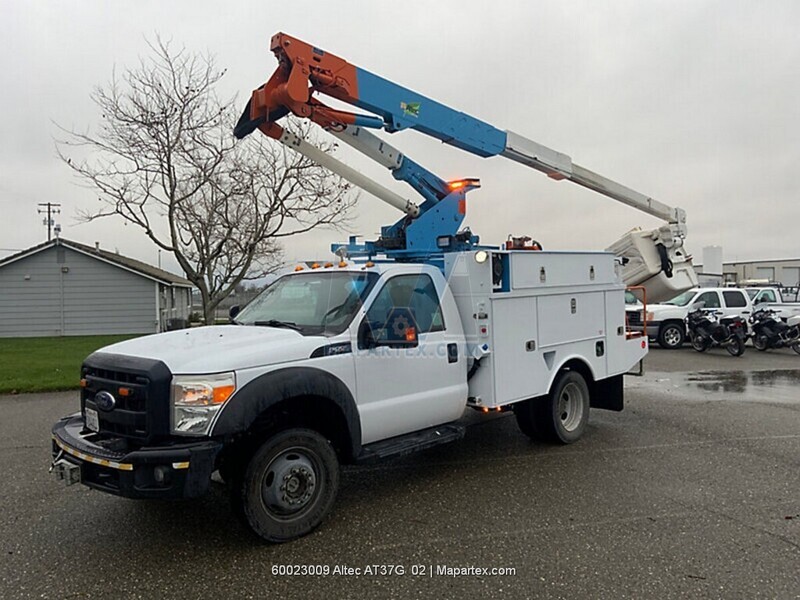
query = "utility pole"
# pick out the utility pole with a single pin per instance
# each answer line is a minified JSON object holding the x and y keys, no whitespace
{"x":52,"y":209}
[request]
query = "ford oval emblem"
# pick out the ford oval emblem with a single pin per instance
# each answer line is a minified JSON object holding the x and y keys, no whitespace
{"x":105,"y":401}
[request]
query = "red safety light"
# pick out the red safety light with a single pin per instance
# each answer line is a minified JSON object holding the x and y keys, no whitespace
{"x":411,"y":334}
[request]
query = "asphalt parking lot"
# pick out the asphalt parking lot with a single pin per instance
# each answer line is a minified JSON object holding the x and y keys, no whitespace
{"x":692,"y":491}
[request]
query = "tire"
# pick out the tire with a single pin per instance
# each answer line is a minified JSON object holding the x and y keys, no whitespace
{"x":700,"y":344}
{"x":561,"y":416}
{"x":671,"y":336}
{"x":760,"y":342}
{"x":796,"y":347}
{"x":302,"y":461}
{"x":736,"y":347}
{"x":525,"y":413}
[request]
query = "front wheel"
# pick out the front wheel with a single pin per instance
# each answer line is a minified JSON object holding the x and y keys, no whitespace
{"x":760,"y":342}
{"x":796,"y":347}
{"x":736,"y":347}
{"x":289,"y":485}
{"x":700,"y":343}
{"x":671,"y":336}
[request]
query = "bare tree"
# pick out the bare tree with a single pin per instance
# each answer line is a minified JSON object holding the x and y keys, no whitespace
{"x":164,"y":159}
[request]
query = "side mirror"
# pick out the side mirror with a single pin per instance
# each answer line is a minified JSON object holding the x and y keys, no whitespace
{"x":234,"y":310}
{"x":365,"y":338}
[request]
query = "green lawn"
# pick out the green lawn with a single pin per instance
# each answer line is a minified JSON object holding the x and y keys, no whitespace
{"x":47,"y":364}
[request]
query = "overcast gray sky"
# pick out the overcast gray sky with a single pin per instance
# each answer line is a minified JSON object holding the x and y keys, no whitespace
{"x":694,"y":103}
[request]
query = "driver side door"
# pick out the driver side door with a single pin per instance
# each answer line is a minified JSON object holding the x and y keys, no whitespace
{"x":404,"y":386}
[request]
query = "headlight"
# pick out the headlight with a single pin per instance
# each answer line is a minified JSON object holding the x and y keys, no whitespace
{"x":197,"y":399}
{"x":650,"y":316}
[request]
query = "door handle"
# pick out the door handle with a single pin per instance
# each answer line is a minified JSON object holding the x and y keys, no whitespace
{"x":452,"y":353}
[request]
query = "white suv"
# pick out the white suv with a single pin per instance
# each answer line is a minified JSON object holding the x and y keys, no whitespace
{"x":665,"y":322}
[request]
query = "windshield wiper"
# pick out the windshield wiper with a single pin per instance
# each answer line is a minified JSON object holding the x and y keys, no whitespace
{"x":277,"y":323}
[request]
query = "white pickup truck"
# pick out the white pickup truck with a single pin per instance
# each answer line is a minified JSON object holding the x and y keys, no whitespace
{"x":666,"y":321}
{"x":772,"y":298}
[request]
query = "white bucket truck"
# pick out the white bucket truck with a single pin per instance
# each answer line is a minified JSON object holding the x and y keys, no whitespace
{"x":379,"y":352}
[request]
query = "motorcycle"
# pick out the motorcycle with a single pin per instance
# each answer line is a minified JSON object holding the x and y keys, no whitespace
{"x":706,"y":329}
{"x":770,"y":332}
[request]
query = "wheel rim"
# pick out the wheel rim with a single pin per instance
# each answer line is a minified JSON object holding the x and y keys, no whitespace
{"x":672,"y":336}
{"x":760,"y":342}
{"x":571,"y":406}
{"x":290,"y":483}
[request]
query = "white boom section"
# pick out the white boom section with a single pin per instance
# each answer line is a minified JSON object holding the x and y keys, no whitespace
{"x":298,"y":144}
{"x":371,"y":145}
{"x":560,"y":166}
{"x":652,"y":259}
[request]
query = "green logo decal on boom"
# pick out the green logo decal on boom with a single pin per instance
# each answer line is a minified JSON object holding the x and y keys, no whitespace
{"x":410,"y":109}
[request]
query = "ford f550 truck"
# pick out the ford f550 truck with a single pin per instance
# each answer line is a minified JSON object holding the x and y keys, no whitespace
{"x":379,"y":352}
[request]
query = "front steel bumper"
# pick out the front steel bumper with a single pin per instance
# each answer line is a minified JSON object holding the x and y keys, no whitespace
{"x":180,"y":470}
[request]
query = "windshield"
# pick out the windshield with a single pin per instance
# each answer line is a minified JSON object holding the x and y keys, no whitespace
{"x":313,"y":303}
{"x":751,"y":292}
{"x":682,"y":299}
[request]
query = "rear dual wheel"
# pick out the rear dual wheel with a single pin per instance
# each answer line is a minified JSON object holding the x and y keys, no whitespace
{"x":559,"y":417}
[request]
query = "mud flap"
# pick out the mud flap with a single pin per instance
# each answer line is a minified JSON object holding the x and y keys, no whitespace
{"x":607,"y":394}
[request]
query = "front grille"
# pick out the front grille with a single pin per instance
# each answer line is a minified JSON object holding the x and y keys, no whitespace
{"x":129,"y":415}
{"x":141,"y":392}
{"x":634,"y":317}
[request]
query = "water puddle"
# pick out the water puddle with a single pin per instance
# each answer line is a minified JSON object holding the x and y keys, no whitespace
{"x":758,"y":386}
